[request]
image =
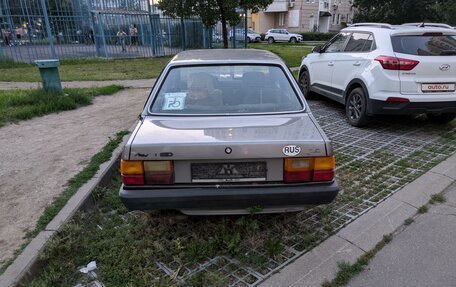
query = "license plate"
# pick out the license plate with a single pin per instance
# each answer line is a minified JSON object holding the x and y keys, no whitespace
{"x":228,"y":172}
{"x":432,"y":88}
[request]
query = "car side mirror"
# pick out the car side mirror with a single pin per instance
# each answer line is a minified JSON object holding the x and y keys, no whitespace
{"x":317,"y":49}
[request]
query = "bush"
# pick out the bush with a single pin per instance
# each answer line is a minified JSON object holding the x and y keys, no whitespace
{"x":317,"y":36}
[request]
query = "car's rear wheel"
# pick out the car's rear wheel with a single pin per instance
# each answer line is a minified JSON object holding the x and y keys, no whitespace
{"x":304,"y":84}
{"x":355,"y":108}
{"x":270,"y":40}
{"x":441,"y":118}
{"x":293,"y":40}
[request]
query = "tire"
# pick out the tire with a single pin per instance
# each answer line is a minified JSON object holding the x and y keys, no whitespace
{"x":248,"y":40}
{"x":293,"y":40}
{"x":356,"y":107}
{"x":304,"y":84}
{"x":270,"y":40}
{"x":441,"y":118}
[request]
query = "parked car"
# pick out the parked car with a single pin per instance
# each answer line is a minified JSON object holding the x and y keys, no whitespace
{"x":223,"y":131}
{"x":375,"y":68}
{"x":240,"y":35}
{"x":281,"y":35}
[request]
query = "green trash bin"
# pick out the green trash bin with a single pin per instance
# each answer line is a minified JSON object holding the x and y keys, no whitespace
{"x":50,"y":75}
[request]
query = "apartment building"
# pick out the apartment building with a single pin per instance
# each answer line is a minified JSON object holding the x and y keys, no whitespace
{"x":305,"y":15}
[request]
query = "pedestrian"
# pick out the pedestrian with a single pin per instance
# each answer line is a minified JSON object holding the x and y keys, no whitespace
{"x":90,"y":37}
{"x":133,"y":35}
{"x":6,"y":37}
{"x":122,"y":35}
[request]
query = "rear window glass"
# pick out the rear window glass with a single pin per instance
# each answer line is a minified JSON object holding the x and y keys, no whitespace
{"x":226,"y":89}
{"x":425,"y":45}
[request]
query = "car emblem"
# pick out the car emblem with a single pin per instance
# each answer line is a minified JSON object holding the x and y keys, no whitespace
{"x":291,"y":150}
{"x":228,"y":150}
{"x":444,"y":67}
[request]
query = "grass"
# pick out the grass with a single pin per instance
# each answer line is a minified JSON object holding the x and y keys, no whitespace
{"x":408,"y":221}
{"x":72,"y":186}
{"x":348,"y":271}
{"x":87,"y":70}
{"x":17,"y":105}
{"x":437,"y":198}
{"x":290,"y":53}
{"x":423,"y":209}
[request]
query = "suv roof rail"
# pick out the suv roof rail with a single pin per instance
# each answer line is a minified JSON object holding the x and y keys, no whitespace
{"x":423,"y":24}
{"x":377,"y":25}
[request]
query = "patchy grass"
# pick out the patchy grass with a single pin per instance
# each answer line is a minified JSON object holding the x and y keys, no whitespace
{"x":17,"y":105}
{"x":88,"y":70}
{"x":437,"y":198}
{"x":423,"y":209}
{"x":72,"y":186}
{"x":348,"y":271}
{"x":408,"y":221}
{"x":291,"y":54}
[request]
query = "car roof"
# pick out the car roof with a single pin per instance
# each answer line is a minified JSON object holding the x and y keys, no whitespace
{"x":225,"y":56}
{"x":395,"y":29}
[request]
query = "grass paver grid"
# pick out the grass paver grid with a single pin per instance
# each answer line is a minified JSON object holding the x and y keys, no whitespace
{"x":372,"y":164}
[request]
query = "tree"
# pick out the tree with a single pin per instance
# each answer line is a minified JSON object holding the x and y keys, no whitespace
{"x":212,"y":11}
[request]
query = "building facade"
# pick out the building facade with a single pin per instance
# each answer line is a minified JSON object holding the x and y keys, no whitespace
{"x":305,"y":15}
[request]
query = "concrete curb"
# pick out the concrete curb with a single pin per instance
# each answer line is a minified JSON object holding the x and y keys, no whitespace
{"x":26,"y":264}
{"x":360,"y":236}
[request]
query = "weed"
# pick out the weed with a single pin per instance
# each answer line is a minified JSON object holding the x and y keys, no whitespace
{"x":423,"y":209}
{"x":408,"y":221}
{"x":437,"y":198}
{"x":273,"y":247}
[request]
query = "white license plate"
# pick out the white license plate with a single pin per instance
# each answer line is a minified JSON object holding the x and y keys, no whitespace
{"x":429,"y":88}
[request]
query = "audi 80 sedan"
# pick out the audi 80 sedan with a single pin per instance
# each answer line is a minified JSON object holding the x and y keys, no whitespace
{"x":225,"y":131}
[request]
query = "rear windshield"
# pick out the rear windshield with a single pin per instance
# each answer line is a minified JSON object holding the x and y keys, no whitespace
{"x":226,"y":89}
{"x":425,"y":45}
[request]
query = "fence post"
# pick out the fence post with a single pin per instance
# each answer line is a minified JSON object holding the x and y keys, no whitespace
{"x":245,"y":29}
{"x":183,"y":33}
{"x":48,"y":29}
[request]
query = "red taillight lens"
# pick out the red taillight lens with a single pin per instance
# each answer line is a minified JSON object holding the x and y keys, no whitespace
{"x":309,"y":169}
{"x":159,"y":172}
{"x":393,"y":63}
{"x":132,"y":172}
{"x":397,"y":100}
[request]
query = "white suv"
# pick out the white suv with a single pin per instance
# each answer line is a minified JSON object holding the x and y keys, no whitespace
{"x":281,"y":35}
{"x":240,"y":35}
{"x":375,"y":68}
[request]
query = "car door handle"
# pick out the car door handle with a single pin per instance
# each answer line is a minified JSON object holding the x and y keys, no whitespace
{"x":357,"y":64}
{"x":331,"y":64}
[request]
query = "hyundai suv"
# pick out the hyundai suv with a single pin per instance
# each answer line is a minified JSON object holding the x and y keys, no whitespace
{"x":375,"y":68}
{"x":281,"y":35}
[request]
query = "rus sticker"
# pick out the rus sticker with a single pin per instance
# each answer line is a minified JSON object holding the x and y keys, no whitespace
{"x":291,"y":150}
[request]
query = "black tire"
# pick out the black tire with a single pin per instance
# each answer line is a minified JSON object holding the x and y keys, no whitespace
{"x":356,"y":108}
{"x":270,"y":40}
{"x":293,"y":40}
{"x":441,"y":118}
{"x":304,"y":84}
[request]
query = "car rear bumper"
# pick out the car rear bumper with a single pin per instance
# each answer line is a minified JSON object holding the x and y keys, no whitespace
{"x":399,"y":108}
{"x":229,"y":197}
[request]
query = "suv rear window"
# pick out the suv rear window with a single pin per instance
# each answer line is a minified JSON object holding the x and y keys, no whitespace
{"x":423,"y":45}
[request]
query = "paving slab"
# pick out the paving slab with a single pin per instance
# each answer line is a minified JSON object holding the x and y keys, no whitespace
{"x":424,"y":254}
{"x":447,"y":167}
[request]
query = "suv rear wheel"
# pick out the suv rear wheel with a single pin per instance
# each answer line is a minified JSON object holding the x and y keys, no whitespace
{"x":270,"y":40}
{"x":304,"y":84}
{"x":355,"y":108}
{"x":441,"y":118}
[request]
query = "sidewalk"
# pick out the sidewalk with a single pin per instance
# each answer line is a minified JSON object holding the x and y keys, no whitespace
{"x":424,"y":254}
{"x":144,"y":83}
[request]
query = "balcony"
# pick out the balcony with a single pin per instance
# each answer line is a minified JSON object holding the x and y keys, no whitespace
{"x":278,"y":6}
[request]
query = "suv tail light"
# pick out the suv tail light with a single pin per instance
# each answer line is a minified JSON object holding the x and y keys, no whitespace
{"x":136,"y":172}
{"x":393,"y":63}
{"x":309,"y":169}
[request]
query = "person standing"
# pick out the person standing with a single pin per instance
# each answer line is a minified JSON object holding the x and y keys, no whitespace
{"x":133,"y":35}
{"x":122,"y":35}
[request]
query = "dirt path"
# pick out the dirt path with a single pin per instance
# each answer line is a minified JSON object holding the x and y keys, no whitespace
{"x":40,"y":155}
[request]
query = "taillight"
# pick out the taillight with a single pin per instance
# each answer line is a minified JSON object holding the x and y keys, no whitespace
{"x":136,"y":172}
{"x":309,"y":169}
{"x":159,"y":172}
{"x":397,"y":100}
{"x":132,"y":172}
{"x":393,"y":63}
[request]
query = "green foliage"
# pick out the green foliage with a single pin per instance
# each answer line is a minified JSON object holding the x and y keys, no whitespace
{"x":405,"y":11}
{"x":437,"y":198}
{"x":317,"y":36}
